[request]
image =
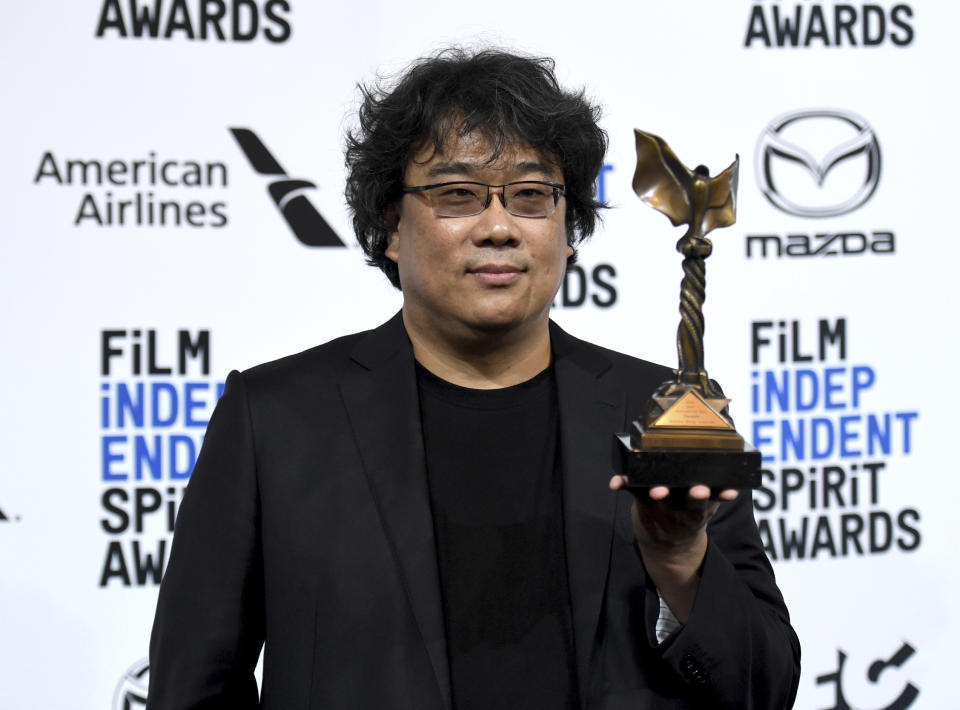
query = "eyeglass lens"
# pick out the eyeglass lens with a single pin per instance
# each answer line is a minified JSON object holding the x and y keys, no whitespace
{"x":523,"y":199}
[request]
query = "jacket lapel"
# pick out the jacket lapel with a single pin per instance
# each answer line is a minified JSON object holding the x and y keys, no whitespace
{"x":591,"y":410}
{"x":383,"y":406}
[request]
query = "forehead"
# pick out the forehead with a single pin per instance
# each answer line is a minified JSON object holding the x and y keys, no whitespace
{"x":473,"y":155}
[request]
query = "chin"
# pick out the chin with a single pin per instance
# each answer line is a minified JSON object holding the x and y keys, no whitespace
{"x":503,"y":321}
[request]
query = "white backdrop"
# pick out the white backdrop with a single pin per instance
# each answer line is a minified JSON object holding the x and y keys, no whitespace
{"x":859,"y":515}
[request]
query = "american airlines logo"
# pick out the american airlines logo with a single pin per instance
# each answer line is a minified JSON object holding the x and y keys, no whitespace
{"x":818,"y":163}
{"x":289,"y":194}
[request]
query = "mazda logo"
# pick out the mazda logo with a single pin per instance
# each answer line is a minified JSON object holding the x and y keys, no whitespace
{"x":818,"y":163}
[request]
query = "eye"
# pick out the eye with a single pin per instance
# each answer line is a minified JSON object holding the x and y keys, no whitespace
{"x":527,"y":193}
{"x":531,"y":194}
{"x":533,"y":191}
{"x":456,"y":193}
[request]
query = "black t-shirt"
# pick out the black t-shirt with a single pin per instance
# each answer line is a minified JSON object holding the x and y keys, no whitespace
{"x":494,"y":475}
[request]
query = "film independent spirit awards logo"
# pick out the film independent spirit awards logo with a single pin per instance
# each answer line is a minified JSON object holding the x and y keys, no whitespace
{"x":818,"y":162}
{"x":904,"y":696}
{"x":131,"y":692}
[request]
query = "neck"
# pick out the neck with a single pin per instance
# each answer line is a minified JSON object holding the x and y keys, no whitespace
{"x":482,"y":360}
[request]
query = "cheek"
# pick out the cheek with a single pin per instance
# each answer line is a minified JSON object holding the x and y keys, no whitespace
{"x":425,"y":260}
{"x":435,"y":244}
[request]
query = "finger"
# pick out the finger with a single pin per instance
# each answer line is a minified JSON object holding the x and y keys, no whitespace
{"x":699,"y":492}
{"x":659,"y":492}
{"x":618,"y":483}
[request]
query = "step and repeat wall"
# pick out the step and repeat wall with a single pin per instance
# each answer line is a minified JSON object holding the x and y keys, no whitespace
{"x":172,"y":186}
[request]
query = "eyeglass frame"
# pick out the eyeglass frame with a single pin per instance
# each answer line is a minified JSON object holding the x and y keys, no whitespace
{"x":559,"y":190}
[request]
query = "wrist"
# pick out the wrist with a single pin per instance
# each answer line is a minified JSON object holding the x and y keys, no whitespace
{"x":674,"y":563}
{"x":672,"y":549}
{"x":675,"y":572}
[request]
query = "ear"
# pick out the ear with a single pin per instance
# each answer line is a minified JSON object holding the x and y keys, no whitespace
{"x":569,"y":251}
{"x":392,"y":219}
{"x":392,"y":251}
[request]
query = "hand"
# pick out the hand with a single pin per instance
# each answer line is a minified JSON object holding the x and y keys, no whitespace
{"x":665,"y":521}
{"x":671,"y":532}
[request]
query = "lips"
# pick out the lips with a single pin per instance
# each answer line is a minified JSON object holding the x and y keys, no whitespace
{"x":496,"y":274}
{"x":495,"y":269}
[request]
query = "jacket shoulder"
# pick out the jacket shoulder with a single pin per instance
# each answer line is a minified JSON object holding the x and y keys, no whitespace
{"x":325,"y":358}
{"x":623,"y":361}
{"x":604,"y":360}
{"x":324,"y":363}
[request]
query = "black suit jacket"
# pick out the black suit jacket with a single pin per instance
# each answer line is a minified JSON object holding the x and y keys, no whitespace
{"x":307,"y":524}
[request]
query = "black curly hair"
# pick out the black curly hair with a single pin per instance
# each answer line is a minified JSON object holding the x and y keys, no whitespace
{"x":504,"y":97}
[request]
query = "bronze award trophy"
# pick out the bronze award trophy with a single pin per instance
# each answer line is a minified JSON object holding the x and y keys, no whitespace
{"x":685,"y":435}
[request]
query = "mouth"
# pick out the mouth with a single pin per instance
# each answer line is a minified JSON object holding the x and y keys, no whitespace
{"x":496,"y":274}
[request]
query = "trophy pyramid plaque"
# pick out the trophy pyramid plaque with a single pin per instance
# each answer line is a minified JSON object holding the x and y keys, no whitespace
{"x":685,"y":435}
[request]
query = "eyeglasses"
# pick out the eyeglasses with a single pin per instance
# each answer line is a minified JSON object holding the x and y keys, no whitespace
{"x":530,"y":198}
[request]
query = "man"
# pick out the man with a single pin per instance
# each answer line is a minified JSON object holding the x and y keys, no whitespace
{"x":421,"y":516}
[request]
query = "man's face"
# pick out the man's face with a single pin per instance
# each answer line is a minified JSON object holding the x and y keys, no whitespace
{"x":491,"y":271}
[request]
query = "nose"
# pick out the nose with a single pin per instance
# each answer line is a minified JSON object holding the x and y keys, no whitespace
{"x":495,"y":226}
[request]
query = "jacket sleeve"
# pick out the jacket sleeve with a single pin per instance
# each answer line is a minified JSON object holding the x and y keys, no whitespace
{"x":209,"y":624}
{"x":737,"y":649}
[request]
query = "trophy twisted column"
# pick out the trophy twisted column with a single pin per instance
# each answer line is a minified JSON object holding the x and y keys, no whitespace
{"x":693,"y":289}
{"x":690,"y":330}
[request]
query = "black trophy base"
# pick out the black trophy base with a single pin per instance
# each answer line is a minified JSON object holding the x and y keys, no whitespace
{"x":682,"y":468}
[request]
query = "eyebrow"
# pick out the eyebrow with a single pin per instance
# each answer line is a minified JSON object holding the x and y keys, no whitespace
{"x":465,"y":168}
